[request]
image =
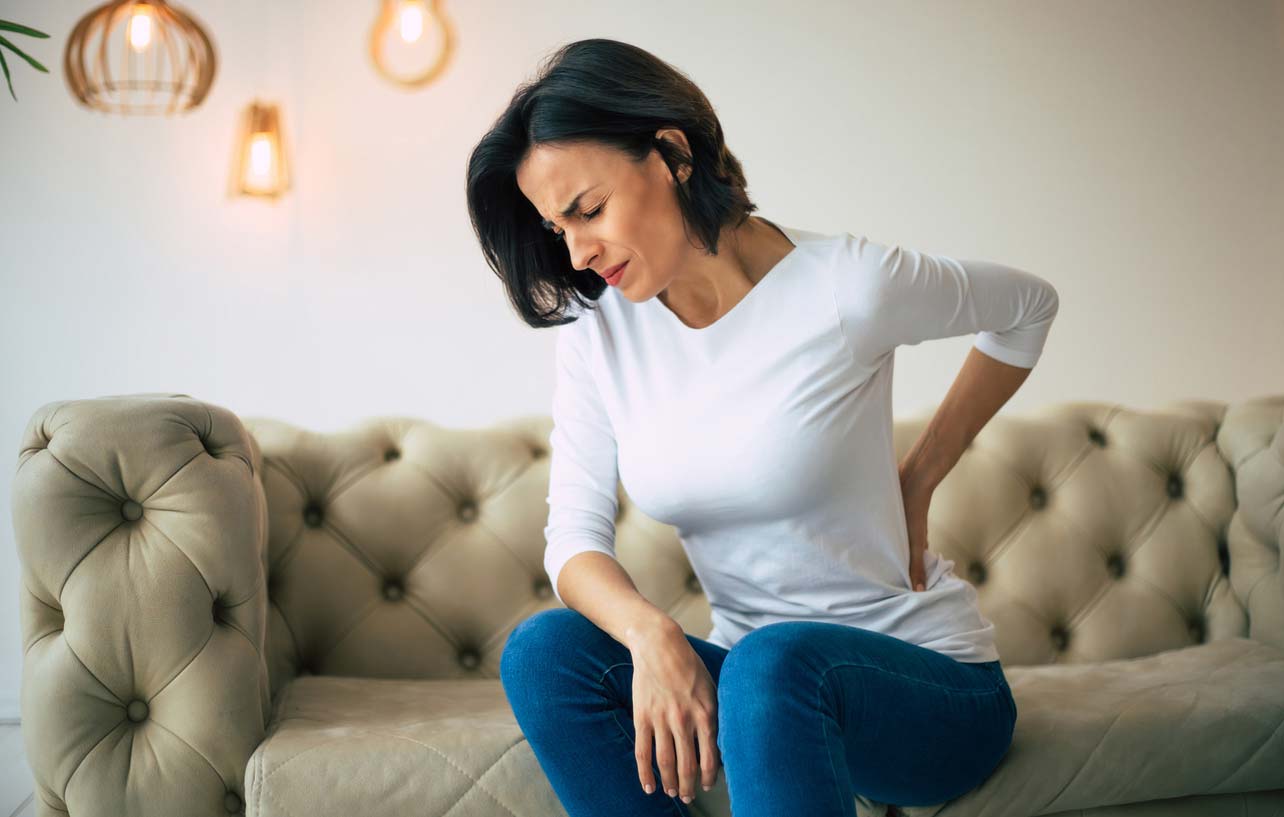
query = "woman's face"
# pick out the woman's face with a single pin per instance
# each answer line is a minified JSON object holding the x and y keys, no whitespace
{"x":628,"y":212}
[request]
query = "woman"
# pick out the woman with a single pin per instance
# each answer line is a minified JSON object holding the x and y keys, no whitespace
{"x":736,"y":376}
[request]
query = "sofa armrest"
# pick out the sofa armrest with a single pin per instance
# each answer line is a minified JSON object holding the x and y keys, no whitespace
{"x":141,"y":527}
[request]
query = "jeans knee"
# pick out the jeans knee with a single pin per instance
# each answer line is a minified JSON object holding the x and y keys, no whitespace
{"x":538,"y":637}
{"x":763,"y":658}
{"x":767,"y":647}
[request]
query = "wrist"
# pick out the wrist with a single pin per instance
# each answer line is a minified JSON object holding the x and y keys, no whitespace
{"x":649,"y":628}
{"x":918,"y":481}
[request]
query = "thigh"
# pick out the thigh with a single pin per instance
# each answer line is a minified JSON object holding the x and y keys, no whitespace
{"x":554,"y":646}
{"x":570,"y":685}
{"x":917,"y":727}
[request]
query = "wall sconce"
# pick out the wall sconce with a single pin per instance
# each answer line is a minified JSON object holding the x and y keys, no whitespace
{"x":402,"y":42}
{"x":164,"y":60}
{"x":260,"y":167}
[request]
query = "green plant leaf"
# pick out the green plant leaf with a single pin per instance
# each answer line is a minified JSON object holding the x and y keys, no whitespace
{"x":18,"y":51}
{"x":18,"y":28}
{"x":5,"y":66}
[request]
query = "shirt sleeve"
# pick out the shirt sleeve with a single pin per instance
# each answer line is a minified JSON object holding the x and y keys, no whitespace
{"x":583,"y":472}
{"x":889,"y":296}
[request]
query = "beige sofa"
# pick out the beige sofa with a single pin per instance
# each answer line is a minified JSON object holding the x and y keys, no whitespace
{"x":223,"y":614}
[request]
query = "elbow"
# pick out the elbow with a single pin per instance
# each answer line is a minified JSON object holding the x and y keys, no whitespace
{"x":1052,"y":301}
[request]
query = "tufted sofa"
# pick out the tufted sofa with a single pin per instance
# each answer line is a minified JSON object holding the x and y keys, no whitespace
{"x":225,"y":615}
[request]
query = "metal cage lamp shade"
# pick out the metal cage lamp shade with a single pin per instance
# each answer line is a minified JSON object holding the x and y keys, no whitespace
{"x":139,"y":57}
{"x":261,"y":168}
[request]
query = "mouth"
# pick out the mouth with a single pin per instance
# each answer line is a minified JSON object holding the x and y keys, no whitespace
{"x":612,"y":275}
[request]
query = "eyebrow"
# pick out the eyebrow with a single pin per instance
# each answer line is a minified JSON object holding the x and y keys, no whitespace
{"x":570,"y":208}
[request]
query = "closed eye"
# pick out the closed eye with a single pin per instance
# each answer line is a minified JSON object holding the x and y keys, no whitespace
{"x":586,"y":216}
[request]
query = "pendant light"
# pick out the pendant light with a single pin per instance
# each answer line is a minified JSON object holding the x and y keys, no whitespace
{"x":411,"y":41}
{"x":139,"y":57}
{"x":260,"y":167}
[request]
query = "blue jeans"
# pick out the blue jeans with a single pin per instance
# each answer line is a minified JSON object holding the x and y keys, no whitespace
{"x":810,"y":714}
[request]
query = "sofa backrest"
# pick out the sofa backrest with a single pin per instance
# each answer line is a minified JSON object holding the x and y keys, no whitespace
{"x":399,"y":548}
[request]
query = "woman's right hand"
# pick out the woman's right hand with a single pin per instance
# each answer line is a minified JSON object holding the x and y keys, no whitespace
{"x":675,"y":707}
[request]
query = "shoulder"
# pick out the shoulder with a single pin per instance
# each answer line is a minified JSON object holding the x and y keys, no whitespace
{"x":850,"y":263}
{"x":868,"y":272}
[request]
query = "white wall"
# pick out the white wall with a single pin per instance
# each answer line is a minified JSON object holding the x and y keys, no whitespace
{"x":1128,"y":152}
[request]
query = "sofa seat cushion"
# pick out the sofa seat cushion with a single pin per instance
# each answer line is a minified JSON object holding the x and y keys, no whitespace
{"x":388,"y":748}
{"x":1199,"y":720}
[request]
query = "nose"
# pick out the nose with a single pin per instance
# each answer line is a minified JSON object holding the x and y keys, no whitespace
{"x":581,"y":260}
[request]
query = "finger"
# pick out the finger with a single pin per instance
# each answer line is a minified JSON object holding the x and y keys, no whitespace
{"x":708,"y":755}
{"x":684,"y":740}
{"x":664,"y":758}
{"x":642,"y":753}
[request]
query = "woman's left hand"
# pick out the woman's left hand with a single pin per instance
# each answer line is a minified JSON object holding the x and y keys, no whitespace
{"x":917,"y":499}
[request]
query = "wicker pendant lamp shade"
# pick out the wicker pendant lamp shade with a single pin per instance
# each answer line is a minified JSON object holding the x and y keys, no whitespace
{"x":261,"y":167}
{"x":139,"y":57}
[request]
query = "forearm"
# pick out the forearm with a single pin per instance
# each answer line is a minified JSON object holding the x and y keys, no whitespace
{"x":982,"y":387}
{"x":598,"y":587}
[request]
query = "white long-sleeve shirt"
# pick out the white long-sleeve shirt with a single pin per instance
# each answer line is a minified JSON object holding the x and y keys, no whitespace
{"x":765,"y":438}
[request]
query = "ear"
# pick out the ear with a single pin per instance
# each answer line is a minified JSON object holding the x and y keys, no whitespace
{"x":678,"y":138}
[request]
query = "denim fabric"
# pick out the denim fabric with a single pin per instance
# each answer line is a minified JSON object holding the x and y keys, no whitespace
{"x":810,"y":714}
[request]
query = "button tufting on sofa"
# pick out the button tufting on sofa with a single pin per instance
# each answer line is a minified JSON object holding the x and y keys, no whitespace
{"x":392,"y":590}
{"x":543,"y":589}
{"x":232,"y":802}
{"x":469,"y":659}
{"x":693,"y":583}
{"x":391,"y":454}
{"x":131,"y":510}
{"x":1174,"y":485}
{"x":1060,"y":638}
{"x":137,"y":710}
{"x":312,"y":515}
{"x":1196,"y":629}
{"x":1038,"y":498}
{"x":468,"y":510}
{"x":537,"y":452}
{"x":976,"y":572}
{"x":1115,"y":564}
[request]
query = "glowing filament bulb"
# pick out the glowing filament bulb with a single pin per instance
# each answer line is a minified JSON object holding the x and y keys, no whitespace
{"x":140,"y":26}
{"x":411,"y":20}
{"x":262,"y":161}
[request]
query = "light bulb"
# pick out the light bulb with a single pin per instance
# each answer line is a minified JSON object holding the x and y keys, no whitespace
{"x":262,"y":161}
{"x":411,"y":41}
{"x":411,"y":20}
{"x":140,"y":26}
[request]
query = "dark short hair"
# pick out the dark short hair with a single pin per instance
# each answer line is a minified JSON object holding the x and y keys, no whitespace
{"x":612,"y":93}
